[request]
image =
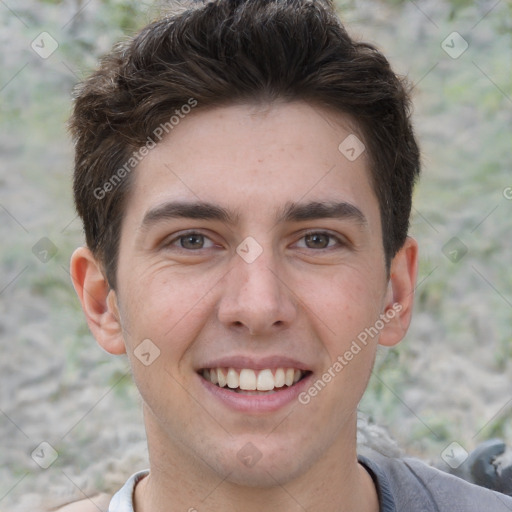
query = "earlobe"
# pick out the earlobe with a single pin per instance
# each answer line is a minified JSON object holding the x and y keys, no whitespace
{"x":98,"y":300}
{"x":400,"y":297}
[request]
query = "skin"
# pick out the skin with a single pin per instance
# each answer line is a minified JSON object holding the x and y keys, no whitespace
{"x":302,"y":298}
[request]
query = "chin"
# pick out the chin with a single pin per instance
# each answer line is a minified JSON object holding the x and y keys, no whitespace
{"x":266,"y":467}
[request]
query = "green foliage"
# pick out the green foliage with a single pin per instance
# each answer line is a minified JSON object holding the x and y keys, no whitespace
{"x":127,"y":15}
{"x":123,"y":387}
{"x":499,"y":427}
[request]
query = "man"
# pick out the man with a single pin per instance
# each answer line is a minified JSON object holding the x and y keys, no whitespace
{"x":244,"y":172}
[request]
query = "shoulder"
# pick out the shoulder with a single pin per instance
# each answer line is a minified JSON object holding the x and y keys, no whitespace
{"x":94,"y":504}
{"x":417,"y":486}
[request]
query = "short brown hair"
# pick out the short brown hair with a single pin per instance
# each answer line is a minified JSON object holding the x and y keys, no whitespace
{"x":230,"y":51}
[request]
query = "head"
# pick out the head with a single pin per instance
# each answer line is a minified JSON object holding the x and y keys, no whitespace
{"x":207,"y":57}
{"x":293,"y":144}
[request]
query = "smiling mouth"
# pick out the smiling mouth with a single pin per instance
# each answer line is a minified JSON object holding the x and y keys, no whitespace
{"x":253,"y":382}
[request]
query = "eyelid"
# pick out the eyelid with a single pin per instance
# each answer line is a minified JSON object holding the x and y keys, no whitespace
{"x":340,"y":239}
{"x":175,"y":237}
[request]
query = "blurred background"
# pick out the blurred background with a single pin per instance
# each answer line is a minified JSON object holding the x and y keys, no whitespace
{"x":448,"y":381}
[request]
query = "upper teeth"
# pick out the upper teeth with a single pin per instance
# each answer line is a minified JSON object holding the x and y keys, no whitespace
{"x":249,"y":380}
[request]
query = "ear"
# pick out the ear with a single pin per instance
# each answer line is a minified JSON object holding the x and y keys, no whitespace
{"x":98,"y":300}
{"x":399,"y":300}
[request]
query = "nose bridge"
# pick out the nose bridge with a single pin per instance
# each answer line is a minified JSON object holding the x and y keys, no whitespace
{"x":255,"y":295}
{"x":260,"y":274}
{"x":256,"y":269}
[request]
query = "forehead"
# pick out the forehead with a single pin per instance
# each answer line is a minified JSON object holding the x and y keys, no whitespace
{"x":253,"y":160}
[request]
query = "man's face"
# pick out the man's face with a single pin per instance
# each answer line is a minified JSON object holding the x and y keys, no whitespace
{"x":257,"y":282}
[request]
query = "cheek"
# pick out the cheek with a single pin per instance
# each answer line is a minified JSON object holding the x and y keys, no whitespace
{"x":354,"y":305}
{"x":345,"y":303}
{"x":166,"y":307}
{"x":163,"y":313}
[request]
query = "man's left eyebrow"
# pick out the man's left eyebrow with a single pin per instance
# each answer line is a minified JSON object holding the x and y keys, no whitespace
{"x":297,"y":212}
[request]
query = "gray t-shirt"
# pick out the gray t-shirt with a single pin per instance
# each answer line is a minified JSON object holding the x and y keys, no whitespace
{"x":403,"y":485}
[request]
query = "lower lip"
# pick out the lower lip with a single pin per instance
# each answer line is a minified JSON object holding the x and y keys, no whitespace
{"x":257,"y":403}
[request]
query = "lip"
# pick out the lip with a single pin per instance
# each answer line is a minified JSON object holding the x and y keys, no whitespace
{"x":241,"y":362}
{"x":256,"y":403}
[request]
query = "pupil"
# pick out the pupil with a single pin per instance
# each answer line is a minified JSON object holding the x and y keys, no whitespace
{"x":316,"y":239}
{"x":192,"y":241}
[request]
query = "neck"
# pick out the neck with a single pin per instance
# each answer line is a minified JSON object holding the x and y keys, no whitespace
{"x":179,"y":481}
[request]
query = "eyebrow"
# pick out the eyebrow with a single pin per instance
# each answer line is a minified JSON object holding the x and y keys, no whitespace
{"x":291,"y":212}
{"x":188,"y":210}
{"x":296,"y":212}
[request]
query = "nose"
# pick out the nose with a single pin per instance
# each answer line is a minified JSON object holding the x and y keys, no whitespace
{"x":256,"y":298}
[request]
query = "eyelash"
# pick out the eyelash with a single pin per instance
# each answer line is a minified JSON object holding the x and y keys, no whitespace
{"x":340,"y":242}
{"x":184,"y":235}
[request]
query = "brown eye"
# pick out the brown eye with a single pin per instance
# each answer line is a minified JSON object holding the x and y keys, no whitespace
{"x":317,"y":240}
{"x":188,"y":242}
{"x":192,"y":241}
